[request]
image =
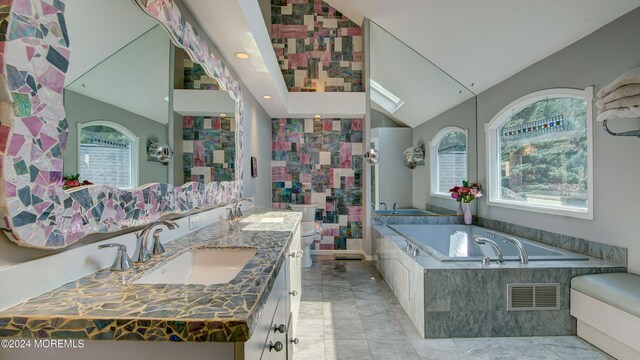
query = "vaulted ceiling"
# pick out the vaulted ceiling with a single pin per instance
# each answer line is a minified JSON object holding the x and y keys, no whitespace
{"x":485,"y":42}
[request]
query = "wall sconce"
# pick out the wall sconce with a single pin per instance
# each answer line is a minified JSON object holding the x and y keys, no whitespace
{"x":414,"y":156}
{"x":158,"y":152}
{"x":372,"y":156}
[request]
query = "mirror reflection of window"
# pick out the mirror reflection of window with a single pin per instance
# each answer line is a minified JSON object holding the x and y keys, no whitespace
{"x":449,"y":157}
{"x":107,"y":155}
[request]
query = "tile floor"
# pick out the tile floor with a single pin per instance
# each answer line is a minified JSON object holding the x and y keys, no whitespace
{"x":348,"y":312}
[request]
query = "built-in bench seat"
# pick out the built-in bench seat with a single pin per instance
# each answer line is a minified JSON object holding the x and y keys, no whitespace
{"x":607,"y":307}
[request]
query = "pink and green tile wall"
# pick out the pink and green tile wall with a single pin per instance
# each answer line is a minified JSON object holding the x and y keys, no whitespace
{"x":320,"y":162}
{"x":318,"y":48}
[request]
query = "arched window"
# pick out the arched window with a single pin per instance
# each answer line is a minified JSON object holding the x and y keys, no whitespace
{"x":448,"y":160}
{"x":539,"y":153}
{"x":108,"y":154}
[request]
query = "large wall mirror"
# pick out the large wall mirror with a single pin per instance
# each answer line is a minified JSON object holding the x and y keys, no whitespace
{"x":415,"y":104}
{"x":121,"y":114}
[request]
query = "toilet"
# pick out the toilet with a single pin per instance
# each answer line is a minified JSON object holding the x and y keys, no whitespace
{"x":307,"y":230}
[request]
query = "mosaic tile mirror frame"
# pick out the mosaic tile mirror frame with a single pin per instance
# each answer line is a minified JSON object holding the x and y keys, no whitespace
{"x":34,"y":57}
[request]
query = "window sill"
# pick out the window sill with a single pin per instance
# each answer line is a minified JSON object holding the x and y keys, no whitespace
{"x":586,"y":214}
{"x":441,"y":196}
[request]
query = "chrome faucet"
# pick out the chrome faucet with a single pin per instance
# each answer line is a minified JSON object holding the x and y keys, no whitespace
{"x":395,"y":207}
{"x":142,"y":252}
{"x":384,"y":205}
{"x":237,"y":209}
{"x":231,"y":215}
{"x":122,"y":261}
{"x":524,"y":258}
{"x":496,"y":247}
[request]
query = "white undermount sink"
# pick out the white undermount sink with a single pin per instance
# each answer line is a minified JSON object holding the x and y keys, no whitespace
{"x":201,"y":266}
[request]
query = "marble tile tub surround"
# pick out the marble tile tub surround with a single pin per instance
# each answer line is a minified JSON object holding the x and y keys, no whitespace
{"x":34,"y":57}
{"x":344,"y":303}
{"x":417,"y":219}
{"x":108,"y":306}
{"x":465,"y":299}
{"x":613,"y":254}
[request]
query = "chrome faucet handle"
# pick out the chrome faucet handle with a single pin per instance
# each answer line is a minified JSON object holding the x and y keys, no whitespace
{"x":408,"y":246}
{"x":482,"y":241}
{"x":122,"y":261}
{"x":231,"y":214}
{"x":395,"y":207}
{"x":485,"y":260}
{"x":383,"y":204}
{"x":142,"y":253}
{"x":238,"y":207}
{"x":415,"y":252}
{"x":157,"y":248}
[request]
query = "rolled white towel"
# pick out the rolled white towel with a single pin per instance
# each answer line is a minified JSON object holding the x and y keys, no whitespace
{"x":619,"y":93}
{"x":620,"y":103}
{"x":630,"y":77}
{"x":620,"y":113}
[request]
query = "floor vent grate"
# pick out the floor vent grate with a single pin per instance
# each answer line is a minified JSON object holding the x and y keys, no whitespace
{"x":529,"y":297}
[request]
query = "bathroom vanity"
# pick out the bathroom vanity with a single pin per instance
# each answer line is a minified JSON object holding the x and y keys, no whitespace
{"x":251,"y":268}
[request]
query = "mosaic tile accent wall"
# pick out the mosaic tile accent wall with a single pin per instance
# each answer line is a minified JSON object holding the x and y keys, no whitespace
{"x":36,"y":211}
{"x":195,"y":77}
{"x":209,"y":148}
{"x":318,"y":48}
{"x":320,"y":162}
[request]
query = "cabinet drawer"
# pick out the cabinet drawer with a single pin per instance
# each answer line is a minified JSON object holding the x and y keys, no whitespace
{"x":276,"y":345}
{"x":254,"y":347}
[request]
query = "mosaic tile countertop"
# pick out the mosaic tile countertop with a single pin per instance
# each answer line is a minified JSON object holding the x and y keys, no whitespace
{"x":108,"y":306}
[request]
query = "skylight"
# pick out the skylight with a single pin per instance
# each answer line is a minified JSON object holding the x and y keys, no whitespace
{"x":385,"y":98}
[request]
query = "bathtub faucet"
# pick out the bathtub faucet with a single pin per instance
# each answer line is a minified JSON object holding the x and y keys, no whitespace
{"x":524,"y":258}
{"x":496,"y":247}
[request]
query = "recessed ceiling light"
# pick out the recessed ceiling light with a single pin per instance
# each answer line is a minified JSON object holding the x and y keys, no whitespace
{"x":316,"y":116}
{"x":242,"y":55}
{"x":266,"y":97}
{"x":223,"y":115}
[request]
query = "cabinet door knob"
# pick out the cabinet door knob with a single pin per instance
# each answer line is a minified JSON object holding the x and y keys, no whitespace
{"x":293,"y":293}
{"x":293,"y":254}
{"x":299,"y":253}
{"x":277,"y":346}
{"x":295,"y":341}
{"x":282,"y":328}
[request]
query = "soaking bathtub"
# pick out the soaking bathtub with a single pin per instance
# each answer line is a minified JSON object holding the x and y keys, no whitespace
{"x":448,"y":292}
{"x":456,"y":243}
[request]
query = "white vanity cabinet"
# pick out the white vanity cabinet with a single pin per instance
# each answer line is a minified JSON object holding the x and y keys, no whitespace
{"x":280,"y":313}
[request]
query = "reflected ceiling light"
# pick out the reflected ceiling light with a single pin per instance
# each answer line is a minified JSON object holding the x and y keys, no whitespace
{"x":242,"y":55}
{"x":316,"y":116}
{"x":223,"y":115}
{"x":266,"y":97}
{"x":385,"y":98}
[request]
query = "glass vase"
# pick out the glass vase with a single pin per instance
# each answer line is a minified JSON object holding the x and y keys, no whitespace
{"x":468,"y":217}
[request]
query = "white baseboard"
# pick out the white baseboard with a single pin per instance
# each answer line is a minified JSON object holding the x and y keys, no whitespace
{"x":345,"y":252}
